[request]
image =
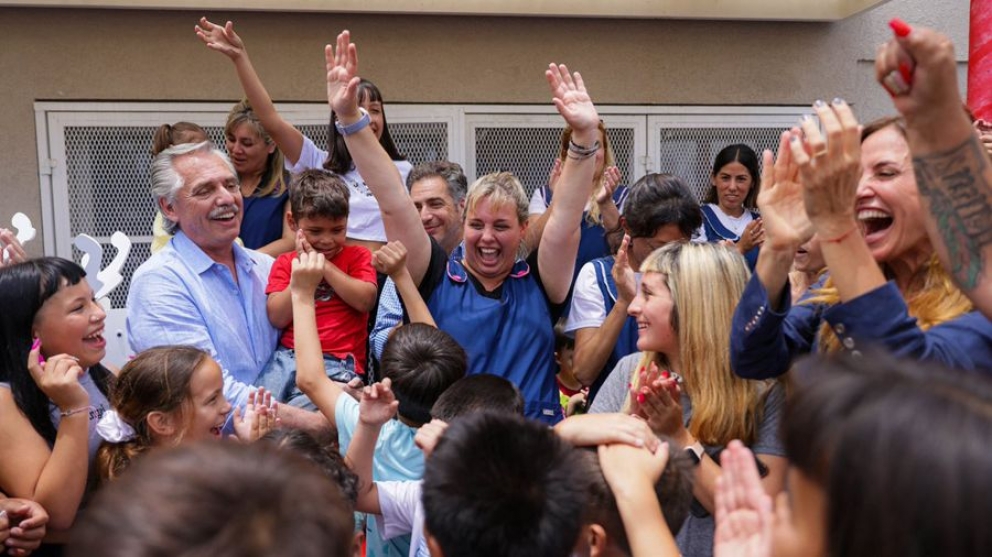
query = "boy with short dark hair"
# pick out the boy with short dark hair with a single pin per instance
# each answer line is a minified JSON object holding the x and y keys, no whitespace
{"x":477,"y":393}
{"x":319,"y":215}
{"x":419,"y":360}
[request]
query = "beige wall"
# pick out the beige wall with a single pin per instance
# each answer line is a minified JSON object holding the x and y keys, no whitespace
{"x":74,"y":55}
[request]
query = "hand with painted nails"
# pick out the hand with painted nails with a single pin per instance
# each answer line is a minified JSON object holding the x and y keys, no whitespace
{"x":830,"y":166}
{"x":58,"y":378}
{"x":919,"y":69}
{"x":744,"y":515}
{"x":590,"y":430}
{"x":781,"y":199}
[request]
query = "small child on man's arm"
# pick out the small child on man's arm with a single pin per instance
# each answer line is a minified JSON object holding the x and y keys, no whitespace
{"x":344,"y":295}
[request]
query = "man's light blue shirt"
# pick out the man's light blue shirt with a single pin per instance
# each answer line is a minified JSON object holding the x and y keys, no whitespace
{"x":389,"y":315}
{"x":182,"y":296}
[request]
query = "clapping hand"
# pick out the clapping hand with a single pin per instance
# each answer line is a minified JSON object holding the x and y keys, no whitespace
{"x":830,"y":167}
{"x":260,"y":417}
{"x":744,"y":515}
{"x":781,"y":199}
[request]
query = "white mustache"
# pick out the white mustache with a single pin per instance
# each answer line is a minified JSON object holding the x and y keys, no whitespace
{"x":224,"y":209}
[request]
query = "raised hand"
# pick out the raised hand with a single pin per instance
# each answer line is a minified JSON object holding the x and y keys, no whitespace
{"x":11,"y":251}
{"x":58,"y":379}
{"x":429,"y":434}
{"x":744,"y":516}
{"x":342,"y":77}
{"x":830,"y":168}
{"x":390,"y":258}
{"x":222,"y":39}
{"x":590,"y":430}
{"x":780,"y":200}
{"x":608,"y":185}
{"x":308,"y":271}
{"x":623,"y":274}
{"x":571,"y":98}
{"x":919,"y":69}
{"x":378,"y":404}
{"x":554,"y":174}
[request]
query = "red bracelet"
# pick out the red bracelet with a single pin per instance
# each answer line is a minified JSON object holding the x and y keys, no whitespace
{"x":843,"y":236}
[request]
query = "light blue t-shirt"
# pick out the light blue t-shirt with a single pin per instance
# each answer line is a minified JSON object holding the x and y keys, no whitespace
{"x":396,"y":458}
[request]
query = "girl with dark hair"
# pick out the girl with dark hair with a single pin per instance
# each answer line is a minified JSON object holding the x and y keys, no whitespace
{"x":364,"y":221}
{"x":661,"y":209}
{"x":52,"y":385}
{"x":728,"y":210}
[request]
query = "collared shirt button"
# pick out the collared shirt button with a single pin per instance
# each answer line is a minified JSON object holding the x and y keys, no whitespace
{"x":839,"y":329}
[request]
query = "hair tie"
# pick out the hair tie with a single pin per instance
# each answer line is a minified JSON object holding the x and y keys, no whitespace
{"x":113,"y":429}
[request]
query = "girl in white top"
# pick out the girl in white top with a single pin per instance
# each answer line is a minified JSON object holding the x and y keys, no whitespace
{"x":364,"y":220}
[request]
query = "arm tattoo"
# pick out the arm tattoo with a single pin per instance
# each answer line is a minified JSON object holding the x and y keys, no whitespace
{"x":958,"y":185}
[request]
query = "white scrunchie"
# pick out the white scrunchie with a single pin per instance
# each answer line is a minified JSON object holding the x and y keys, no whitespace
{"x":113,"y":429}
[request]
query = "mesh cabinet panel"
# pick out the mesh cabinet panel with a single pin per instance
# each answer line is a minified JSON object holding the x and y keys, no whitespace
{"x":689,"y":152}
{"x":529,"y":152}
{"x":417,"y":141}
{"x":108,"y":185}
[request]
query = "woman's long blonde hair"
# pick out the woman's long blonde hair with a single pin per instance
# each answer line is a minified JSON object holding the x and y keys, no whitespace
{"x":706,"y":281}
{"x":593,"y":215}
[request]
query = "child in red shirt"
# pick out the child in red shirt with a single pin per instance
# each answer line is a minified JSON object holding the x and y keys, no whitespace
{"x":319,"y":214}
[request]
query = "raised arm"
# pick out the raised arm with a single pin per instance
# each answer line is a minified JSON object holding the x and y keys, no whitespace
{"x":227,"y":42}
{"x":631,"y":474}
{"x":593,"y":345}
{"x":785,"y":224}
{"x":377,"y":406}
{"x":311,"y":377}
{"x":831,"y":168}
{"x":560,"y":241}
{"x":953,"y":172}
{"x":399,"y":215}
{"x":391,"y":260}
{"x":54,"y":476}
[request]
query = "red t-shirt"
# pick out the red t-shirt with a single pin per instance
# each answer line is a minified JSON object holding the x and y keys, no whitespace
{"x":343,"y":330}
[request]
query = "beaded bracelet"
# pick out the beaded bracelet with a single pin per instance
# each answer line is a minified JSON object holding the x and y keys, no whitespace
{"x":74,"y":411}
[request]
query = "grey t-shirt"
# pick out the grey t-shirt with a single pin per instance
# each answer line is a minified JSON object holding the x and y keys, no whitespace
{"x":695,"y":539}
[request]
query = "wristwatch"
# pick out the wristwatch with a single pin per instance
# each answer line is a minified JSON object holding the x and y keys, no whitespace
{"x":354,"y":127}
{"x":695,"y":452}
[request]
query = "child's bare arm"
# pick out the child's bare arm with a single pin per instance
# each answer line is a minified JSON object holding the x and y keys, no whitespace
{"x":311,"y":376}
{"x":631,"y":473}
{"x":377,"y":406}
{"x":358,"y":294}
{"x":391,"y":260}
